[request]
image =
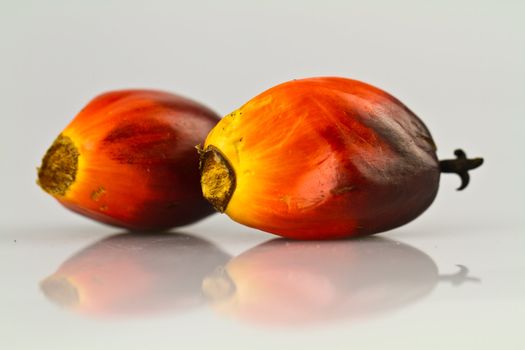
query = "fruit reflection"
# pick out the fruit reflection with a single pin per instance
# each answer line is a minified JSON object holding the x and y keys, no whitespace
{"x":292,"y":282}
{"x":130,"y":274}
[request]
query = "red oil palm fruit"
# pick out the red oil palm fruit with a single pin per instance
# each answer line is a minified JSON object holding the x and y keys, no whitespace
{"x":135,"y":274}
{"x":128,"y":159}
{"x":323,"y":158}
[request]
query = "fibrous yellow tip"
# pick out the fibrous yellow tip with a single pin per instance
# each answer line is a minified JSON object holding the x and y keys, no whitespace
{"x":217,"y":178}
{"x":59,"y":167}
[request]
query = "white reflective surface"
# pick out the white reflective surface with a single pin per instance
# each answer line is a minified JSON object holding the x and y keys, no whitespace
{"x":218,"y":285}
{"x":453,"y":279}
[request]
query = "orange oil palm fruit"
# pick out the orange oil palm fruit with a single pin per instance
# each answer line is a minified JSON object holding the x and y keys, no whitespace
{"x":323,"y":158}
{"x":128,"y":159}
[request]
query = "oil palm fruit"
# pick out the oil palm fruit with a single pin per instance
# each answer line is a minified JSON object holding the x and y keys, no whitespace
{"x":323,"y":158}
{"x":128,"y":159}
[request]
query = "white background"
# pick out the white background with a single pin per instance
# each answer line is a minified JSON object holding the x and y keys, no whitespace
{"x":458,"y":64}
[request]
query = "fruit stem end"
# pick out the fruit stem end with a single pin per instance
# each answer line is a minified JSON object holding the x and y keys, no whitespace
{"x":59,"y":167}
{"x":217,"y":178}
{"x":461,"y":166}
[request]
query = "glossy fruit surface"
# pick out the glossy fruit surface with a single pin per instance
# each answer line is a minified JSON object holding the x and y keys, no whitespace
{"x":128,"y":159}
{"x":321,"y":158}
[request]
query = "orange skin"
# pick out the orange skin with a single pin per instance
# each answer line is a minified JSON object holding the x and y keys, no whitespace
{"x":327,"y":158}
{"x":295,"y":283}
{"x":134,"y":274}
{"x":138,"y":167}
